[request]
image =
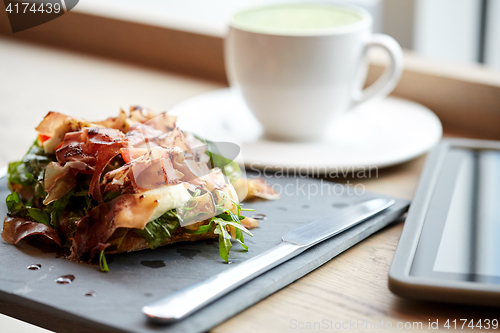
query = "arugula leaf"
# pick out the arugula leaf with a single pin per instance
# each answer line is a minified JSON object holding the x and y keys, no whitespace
{"x":29,"y":172}
{"x":109,"y":196}
{"x":188,"y":205}
{"x":56,"y":208}
{"x":236,"y":203}
{"x":159,"y":230}
{"x":15,"y":204}
{"x":36,"y":160}
{"x":230,"y":216}
{"x":239,"y":238}
{"x":48,"y":216}
{"x":202,"y":229}
{"x":240,"y":227}
{"x":103,"y":263}
{"x":224,"y":240}
{"x":229,"y":168}
{"x":18,"y":174}
{"x":221,"y":222}
{"x":81,"y":192}
{"x":40,"y":216}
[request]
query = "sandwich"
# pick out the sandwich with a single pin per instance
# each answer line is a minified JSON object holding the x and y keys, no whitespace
{"x":124,"y":184}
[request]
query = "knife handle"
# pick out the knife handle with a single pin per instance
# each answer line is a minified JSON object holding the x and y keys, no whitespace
{"x":184,"y":302}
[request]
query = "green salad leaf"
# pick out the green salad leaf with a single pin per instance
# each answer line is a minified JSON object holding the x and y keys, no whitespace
{"x":229,"y":168}
{"x":111,"y":195}
{"x":16,"y":207}
{"x":36,"y":160}
{"x":103,"y":264}
{"x":39,"y":215}
{"x":18,"y":174}
{"x":219,"y":225}
{"x":81,"y":194}
{"x":29,"y":171}
{"x":29,"y":174}
{"x":15,"y":204}
{"x":56,"y":208}
{"x":158,"y":231}
{"x":224,"y":240}
{"x":202,"y":229}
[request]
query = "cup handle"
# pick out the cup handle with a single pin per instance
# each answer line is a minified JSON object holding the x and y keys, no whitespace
{"x":386,"y":83}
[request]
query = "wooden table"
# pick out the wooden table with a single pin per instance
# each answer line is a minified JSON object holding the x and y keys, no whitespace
{"x":350,"y":288}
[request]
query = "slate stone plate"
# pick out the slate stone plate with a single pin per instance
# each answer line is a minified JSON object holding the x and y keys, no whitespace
{"x":138,"y":278}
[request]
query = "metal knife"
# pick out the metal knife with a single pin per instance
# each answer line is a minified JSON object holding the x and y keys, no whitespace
{"x":186,"y":301}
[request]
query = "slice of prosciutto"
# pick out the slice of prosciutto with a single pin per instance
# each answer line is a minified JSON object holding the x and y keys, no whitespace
{"x":132,"y":211}
{"x":17,"y":228}
{"x":93,"y":147}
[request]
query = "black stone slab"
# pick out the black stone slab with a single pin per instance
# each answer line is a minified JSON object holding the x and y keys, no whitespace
{"x":138,"y":278}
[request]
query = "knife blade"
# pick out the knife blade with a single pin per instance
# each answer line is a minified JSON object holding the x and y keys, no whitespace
{"x":186,"y":301}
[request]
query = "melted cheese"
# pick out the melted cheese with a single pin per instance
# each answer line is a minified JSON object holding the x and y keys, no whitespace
{"x":169,"y":197}
{"x":136,"y":210}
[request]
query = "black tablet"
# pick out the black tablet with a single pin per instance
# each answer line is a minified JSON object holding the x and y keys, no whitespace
{"x":450,"y":246}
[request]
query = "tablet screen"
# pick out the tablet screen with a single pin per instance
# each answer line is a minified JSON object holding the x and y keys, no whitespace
{"x":460,"y":239}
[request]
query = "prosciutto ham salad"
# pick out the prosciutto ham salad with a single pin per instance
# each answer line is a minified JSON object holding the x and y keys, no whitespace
{"x":124,"y":184}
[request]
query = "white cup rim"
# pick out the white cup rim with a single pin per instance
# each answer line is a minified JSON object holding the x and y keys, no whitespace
{"x":366,"y":20}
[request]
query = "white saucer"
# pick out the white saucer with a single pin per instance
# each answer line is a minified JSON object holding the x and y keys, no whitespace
{"x":379,"y":134}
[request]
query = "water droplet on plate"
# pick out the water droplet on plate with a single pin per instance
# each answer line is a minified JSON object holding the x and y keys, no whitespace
{"x":65,"y":279}
{"x":153,"y":263}
{"x":188,"y":253}
{"x":259,"y":216}
{"x":34,"y":267}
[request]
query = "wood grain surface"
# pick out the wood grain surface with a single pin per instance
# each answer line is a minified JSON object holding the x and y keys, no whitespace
{"x":466,"y":98}
{"x":132,"y":42}
{"x":352,"y":287}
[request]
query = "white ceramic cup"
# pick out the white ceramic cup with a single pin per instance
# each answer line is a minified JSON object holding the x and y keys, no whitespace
{"x":298,"y":82}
